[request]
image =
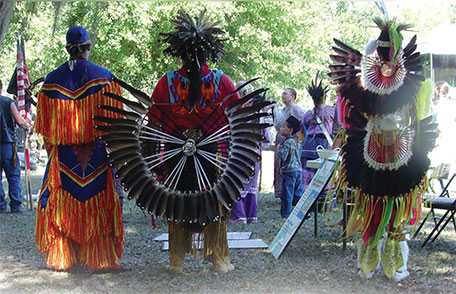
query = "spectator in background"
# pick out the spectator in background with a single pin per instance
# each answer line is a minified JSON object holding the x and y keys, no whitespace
{"x":290,"y":108}
{"x":317,"y":124}
{"x":442,"y":90}
{"x":443,"y":112}
{"x":290,"y":169}
{"x":9,"y":117}
{"x":245,"y":210}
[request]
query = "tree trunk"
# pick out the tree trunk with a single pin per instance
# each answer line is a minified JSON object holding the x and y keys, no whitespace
{"x":57,"y":10}
{"x":6,"y":11}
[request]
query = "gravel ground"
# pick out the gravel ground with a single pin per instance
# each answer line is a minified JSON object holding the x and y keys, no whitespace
{"x":308,"y":265}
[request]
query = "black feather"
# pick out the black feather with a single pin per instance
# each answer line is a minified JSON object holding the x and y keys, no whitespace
{"x":170,"y":208}
{"x":131,"y":178}
{"x":123,"y":147}
{"x":153,"y":200}
{"x":242,"y":156}
{"x":240,"y":173}
{"x":162,"y":204}
{"x":347,"y":48}
{"x":116,"y":121}
{"x":316,"y":89}
{"x":137,"y":187}
{"x":194,"y":38}
{"x":129,"y":114}
{"x":136,"y":106}
{"x":228,"y":186}
{"x":256,"y":107}
{"x":235,"y":105}
{"x":249,"y":127}
{"x":253,"y":117}
{"x":118,"y":129}
{"x":411,"y":47}
{"x":222,"y":195}
{"x":137,"y":163}
{"x":180,"y":207}
{"x":138,"y":94}
{"x":122,"y":158}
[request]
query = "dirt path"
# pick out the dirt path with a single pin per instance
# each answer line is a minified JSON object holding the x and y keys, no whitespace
{"x":308,"y":265}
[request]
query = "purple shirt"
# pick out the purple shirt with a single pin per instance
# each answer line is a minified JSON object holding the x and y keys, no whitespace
{"x":326,"y":115}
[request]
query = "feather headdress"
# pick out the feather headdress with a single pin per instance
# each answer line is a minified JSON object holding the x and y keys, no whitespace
{"x":316,"y":89}
{"x":194,"y":39}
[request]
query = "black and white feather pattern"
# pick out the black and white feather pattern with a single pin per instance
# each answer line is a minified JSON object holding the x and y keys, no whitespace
{"x":345,"y":72}
{"x":127,"y":137}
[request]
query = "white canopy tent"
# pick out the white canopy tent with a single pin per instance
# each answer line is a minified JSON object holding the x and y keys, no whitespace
{"x":441,"y":48}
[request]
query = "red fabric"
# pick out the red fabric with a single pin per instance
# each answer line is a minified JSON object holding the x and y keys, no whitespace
{"x":22,"y":79}
{"x":342,"y":111}
{"x":27,"y":159}
{"x":175,"y":118}
{"x":377,"y":212}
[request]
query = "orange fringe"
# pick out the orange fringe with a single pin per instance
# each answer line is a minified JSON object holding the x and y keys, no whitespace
{"x":70,"y":121}
{"x":71,"y":231}
{"x":62,"y":254}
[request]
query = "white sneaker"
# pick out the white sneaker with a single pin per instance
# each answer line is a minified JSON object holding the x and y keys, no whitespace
{"x":399,"y":276}
{"x":364,"y":275}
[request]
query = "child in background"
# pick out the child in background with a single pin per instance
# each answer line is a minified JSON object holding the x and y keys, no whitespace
{"x":290,"y":157}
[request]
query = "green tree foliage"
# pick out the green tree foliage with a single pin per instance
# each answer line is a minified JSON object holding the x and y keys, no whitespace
{"x":283,"y":42}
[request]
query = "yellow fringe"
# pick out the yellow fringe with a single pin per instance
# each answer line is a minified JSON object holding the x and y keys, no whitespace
{"x":215,"y":243}
{"x":71,"y":121}
{"x":62,"y":255}
{"x":89,"y":232}
{"x":407,"y":206}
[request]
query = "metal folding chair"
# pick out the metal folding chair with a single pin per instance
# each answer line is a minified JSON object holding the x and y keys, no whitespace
{"x":442,"y":202}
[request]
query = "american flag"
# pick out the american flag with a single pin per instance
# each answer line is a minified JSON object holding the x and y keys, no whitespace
{"x":23,"y":81}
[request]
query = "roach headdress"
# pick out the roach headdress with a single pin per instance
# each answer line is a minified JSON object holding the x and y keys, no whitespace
{"x":194,"y":39}
{"x":316,"y":89}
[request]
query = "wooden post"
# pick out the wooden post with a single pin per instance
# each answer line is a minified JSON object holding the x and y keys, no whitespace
{"x":344,"y":225}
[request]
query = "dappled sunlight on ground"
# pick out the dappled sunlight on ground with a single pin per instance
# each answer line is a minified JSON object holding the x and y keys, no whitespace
{"x":308,"y":265}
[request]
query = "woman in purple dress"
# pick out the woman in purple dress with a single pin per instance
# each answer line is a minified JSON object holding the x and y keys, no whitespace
{"x":245,"y":210}
{"x":317,"y":124}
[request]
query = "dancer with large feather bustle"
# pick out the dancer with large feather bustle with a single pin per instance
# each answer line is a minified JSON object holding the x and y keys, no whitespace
{"x":79,"y":219}
{"x":187,"y":153}
{"x":194,"y":90}
{"x":389,"y":136}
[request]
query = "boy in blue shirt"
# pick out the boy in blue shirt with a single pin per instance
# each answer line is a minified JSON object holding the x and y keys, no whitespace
{"x":290,"y":157}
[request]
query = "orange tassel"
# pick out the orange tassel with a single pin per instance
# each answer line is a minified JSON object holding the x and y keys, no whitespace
{"x":102,"y":254}
{"x":70,"y":121}
{"x":62,"y":254}
{"x":94,"y":226}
